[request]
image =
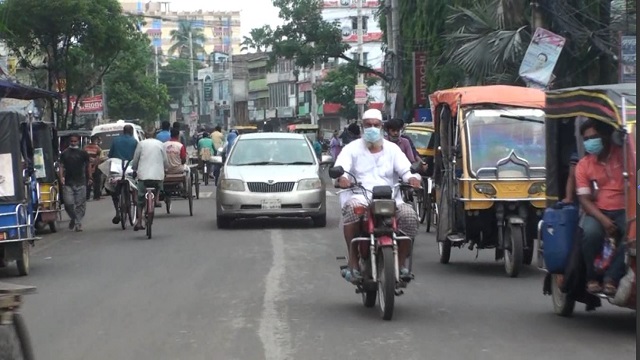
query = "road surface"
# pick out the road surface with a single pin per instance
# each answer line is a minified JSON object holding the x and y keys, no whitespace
{"x":272,"y":290}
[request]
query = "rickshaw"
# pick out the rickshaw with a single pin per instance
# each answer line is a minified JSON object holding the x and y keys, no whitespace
{"x":421,"y":134}
{"x":559,"y":245}
{"x":180,"y":186}
{"x":310,"y":130}
{"x":489,"y":170}
{"x":46,"y":168}
{"x":14,"y":337}
{"x":18,"y":184}
{"x":245,"y":129}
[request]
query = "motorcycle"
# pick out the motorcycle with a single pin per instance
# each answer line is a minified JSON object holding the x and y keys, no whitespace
{"x":377,"y":246}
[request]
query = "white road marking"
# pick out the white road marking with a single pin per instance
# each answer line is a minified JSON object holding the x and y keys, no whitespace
{"x":273,"y":330}
{"x":206,"y":194}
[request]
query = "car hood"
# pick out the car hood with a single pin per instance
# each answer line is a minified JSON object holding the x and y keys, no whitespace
{"x":268,"y":173}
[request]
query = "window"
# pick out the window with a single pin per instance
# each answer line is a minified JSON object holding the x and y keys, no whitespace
{"x":272,"y":152}
{"x":365,"y":57}
{"x":354,"y":24}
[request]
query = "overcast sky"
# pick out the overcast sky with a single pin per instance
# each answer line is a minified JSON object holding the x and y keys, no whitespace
{"x":254,"y":13}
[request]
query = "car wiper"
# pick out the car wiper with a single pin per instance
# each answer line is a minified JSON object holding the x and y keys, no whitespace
{"x":522,"y":118}
{"x":262,"y":163}
{"x":299,"y":163}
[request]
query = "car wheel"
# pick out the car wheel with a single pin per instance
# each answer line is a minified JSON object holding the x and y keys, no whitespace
{"x":319,"y":221}
{"x":223,"y":222}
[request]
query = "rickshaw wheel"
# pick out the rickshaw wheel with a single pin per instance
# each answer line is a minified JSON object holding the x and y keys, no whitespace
{"x":196,"y":181}
{"x":444,"y":249}
{"x":23,"y":336}
{"x":23,"y":263}
{"x":513,"y":257}
{"x":562,"y":304}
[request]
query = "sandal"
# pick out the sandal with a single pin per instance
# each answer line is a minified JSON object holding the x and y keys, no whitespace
{"x":351,"y":275}
{"x":138,"y":227}
{"x":594,"y":287}
{"x":609,"y":288}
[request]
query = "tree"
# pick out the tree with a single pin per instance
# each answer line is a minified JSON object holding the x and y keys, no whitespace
{"x":339,"y":87}
{"x":175,"y":76}
{"x":131,"y":91}
{"x":181,"y":42}
{"x":307,"y":38}
{"x":73,"y":40}
{"x":257,"y":39}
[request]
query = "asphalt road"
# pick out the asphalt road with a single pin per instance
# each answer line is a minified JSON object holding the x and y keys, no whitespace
{"x":272,"y":290}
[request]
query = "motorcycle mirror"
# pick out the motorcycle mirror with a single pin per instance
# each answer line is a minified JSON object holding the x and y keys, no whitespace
{"x":335,"y":172}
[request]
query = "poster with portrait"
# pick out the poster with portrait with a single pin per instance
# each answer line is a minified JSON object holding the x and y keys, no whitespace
{"x":7,"y":188}
{"x":38,"y":163}
{"x":541,"y":58}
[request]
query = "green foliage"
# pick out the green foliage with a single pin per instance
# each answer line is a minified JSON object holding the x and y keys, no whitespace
{"x":257,"y":39}
{"x":131,"y":90}
{"x":181,"y":42}
{"x":74,"y":40}
{"x":339,"y":87}
{"x":175,"y":76}
{"x":306,"y":37}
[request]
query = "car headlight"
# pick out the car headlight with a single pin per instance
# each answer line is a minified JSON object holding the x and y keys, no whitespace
{"x":309,"y":184}
{"x":384,"y":207}
{"x":231,"y":185}
{"x":537,"y":188}
{"x":485,"y":188}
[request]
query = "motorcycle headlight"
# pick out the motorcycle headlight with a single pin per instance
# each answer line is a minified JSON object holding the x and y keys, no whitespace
{"x":309,"y":184}
{"x":231,"y":185}
{"x":384,"y":207}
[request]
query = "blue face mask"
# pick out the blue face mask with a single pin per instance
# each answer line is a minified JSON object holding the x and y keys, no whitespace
{"x":593,"y":146}
{"x":372,"y":135}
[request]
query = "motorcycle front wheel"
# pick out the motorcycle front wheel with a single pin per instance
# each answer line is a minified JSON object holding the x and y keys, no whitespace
{"x":386,"y":282}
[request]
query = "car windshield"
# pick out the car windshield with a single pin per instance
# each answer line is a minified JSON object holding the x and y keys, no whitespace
{"x":420,"y":139}
{"x":107,"y":138}
{"x":494,"y":134}
{"x":271,"y":152}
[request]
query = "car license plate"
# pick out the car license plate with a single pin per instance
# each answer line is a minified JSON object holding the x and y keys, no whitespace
{"x":271,"y":204}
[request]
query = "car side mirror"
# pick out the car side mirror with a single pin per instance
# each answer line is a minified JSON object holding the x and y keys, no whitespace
{"x":326,"y":159}
{"x":335,"y":172}
{"x":216,"y":160}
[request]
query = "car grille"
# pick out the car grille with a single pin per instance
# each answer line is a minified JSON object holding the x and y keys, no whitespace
{"x":263,"y":187}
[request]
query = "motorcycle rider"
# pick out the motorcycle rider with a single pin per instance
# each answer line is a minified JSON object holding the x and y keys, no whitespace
{"x":375,"y":161}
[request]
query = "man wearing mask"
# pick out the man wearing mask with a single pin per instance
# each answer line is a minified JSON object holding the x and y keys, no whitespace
{"x":75,"y":174}
{"x":600,"y":189}
{"x":375,"y":161}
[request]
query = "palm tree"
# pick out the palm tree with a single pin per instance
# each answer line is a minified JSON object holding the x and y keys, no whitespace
{"x":180,"y":40}
{"x":488,"y":39}
{"x":258,"y":39}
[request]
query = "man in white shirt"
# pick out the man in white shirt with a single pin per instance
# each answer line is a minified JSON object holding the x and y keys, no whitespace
{"x":149,"y":162}
{"x":375,"y":161}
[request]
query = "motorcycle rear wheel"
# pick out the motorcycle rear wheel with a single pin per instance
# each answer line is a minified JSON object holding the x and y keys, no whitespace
{"x":386,"y":282}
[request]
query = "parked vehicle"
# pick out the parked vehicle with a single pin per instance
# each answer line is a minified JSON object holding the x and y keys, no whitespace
{"x":15,"y":343}
{"x":272,"y":175}
{"x":489,"y":170}
{"x":378,"y":246}
{"x":560,"y":253}
{"x":109,"y":131}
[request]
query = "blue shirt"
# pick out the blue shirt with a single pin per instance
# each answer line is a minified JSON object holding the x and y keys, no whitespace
{"x":163,"y":136}
{"x":123,"y":147}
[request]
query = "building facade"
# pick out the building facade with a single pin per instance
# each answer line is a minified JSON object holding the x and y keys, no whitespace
{"x":345,"y":13}
{"x":221,"y":28}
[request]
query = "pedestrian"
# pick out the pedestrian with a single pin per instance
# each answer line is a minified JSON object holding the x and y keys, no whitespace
{"x":335,"y":145}
{"x":94,"y":151}
{"x":75,"y":174}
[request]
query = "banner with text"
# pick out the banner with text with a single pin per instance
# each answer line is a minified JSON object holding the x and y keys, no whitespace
{"x":420,"y":95}
{"x":88,"y":105}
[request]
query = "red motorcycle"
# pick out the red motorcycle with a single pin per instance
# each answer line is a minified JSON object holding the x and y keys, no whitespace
{"x":377,"y":246}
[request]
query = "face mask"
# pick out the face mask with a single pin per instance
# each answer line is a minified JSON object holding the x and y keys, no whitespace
{"x":593,"y":146}
{"x":372,"y":135}
{"x":74,"y":146}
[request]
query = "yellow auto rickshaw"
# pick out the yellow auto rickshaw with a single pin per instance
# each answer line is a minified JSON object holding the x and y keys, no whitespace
{"x":560,"y":252}
{"x":421,"y":134}
{"x":245,"y":129}
{"x":489,"y":170}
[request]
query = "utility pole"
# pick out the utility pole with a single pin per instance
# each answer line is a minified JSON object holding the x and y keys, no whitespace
{"x":103,"y":88}
{"x":391,"y":52}
{"x":537,"y":19}
{"x":314,"y":100}
{"x":157,"y":77}
{"x":360,"y":55}
{"x":232,"y":97}
{"x":397,"y":64}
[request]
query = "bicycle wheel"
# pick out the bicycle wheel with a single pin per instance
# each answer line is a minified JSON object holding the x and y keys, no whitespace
{"x":196,"y":181}
{"x":124,"y":205}
{"x":133,"y":206}
{"x":150,"y":204}
{"x":205,"y":173}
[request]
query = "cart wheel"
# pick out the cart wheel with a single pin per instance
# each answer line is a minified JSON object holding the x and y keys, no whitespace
{"x":562,"y":304}
{"x":513,"y":257}
{"x":53,"y":226}
{"x":190,"y":199}
{"x":23,"y":336}
{"x":23,"y":262}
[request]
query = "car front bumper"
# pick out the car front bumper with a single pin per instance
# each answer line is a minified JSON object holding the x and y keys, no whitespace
{"x":246,"y":204}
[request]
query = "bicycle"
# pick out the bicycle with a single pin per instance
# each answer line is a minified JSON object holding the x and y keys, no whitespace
{"x":127,"y":199}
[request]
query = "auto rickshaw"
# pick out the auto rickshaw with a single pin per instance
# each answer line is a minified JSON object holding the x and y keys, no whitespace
{"x":421,"y":134}
{"x":18,"y":183}
{"x":559,"y":242}
{"x":245,"y":129}
{"x":46,"y":168}
{"x":310,"y":130}
{"x":489,"y":170}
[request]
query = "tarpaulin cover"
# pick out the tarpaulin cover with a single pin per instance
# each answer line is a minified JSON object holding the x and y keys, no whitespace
{"x":13,"y":90}
{"x":43,"y":138}
{"x":13,"y":147}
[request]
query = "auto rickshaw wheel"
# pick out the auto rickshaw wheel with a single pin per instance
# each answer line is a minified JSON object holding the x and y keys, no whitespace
{"x":562,"y":304}
{"x":513,"y":255}
{"x":23,"y":262}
